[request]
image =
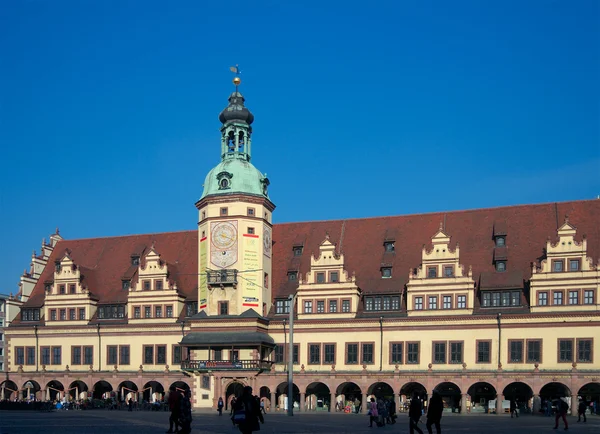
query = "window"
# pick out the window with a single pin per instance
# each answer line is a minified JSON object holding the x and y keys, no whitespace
{"x":351,"y":354}
{"x":279,"y":354}
{"x":169,"y":311}
{"x":88,"y":355}
{"x":30,"y":314}
{"x":495,"y":299}
{"x":500,"y":241}
{"x":461,"y":302}
{"x":137,"y":312}
{"x":486,"y":299}
{"x":397,"y":355}
{"x":412,"y":353}
{"x":542,"y":298}
{"x":588,"y":297}
{"x":224,"y":211}
{"x":146,"y":285}
{"x":45,"y":355}
{"x":124,"y":355}
{"x":52,"y":314}
{"x":369,"y":303}
{"x":148,"y":354}
{"x":176,"y":355}
{"x":483,"y":351}
{"x":418,"y":303}
{"x":19,"y":356}
{"x":377,"y":303}
{"x":113,"y":311}
{"x":500,"y":266}
{"x":292,"y":276}
{"x":506,"y":299}
{"x":386,"y":272}
{"x":557,"y":266}
{"x":223,"y":308}
{"x":158,"y":285}
{"x":447,"y":302}
{"x":433,"y":302}
{"x":157,"y":311}
{"x":332,"y":306}
{"x":63,"y":314}
{"x":439,"y":352}
{"x":584,"y":350}
{"x":308,"y":307}
{"x":448,"y":271}
{"x":61,"y":289}
{"x":71,"y":288}
{"x":345,"y":306}
{"x":573,"y":297}
{"x":395,"y":302}
{"x":250,"y":231}
{"x":147,"y":312}
{"x":431,"y":272}
{"x":515,"y":351}
{"x":161,"y":354}
{"x":112,"y":354}
{"x":320,"y":277}
{"x":297,"y":250}
{"x":81,"y":313}
{"x":573,"y":264}
{"x":320,"y":306}
{"x":250,"y":212}
{"x":72,"y":315}
{"x":329,"y":353}
{"x":75,"y":355}
{"x":191,"y":308}
{"x":389,"y":246}
{"x":386,"y":302}
{"x":30,"y":355}
{"x":558,"y":298}
{"x":125,"y":285}
{"x":367,"y":353}
{"x":234,"y":355}
{"x":57,"y":355}
{"x":565,"y":350}
{"x":218,"y":355}
{"x":456,"y":352}
{"x":135,"y":260}
{"x":314,"y":351}
{"x":334,"y":277}
{"x":282,"y":306}
{"x":534,"y":351}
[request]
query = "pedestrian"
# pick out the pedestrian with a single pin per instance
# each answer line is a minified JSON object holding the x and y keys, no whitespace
{"x":581,"y":410}
{"x":414,"y":414}
{"x":185,"y":413}
{"x":130,"y":404}
{"x":434,"y":412}
{"x":173,"y":401}
{"x":382,"y":410}
{"x":561,"y":412}
{"x":373,"y":413}
{"x":246,"y":412}
{"x":220,"y":405}
{"x":514,"y":408}
{"x":392,"y":411}
{"x":262,"y":406}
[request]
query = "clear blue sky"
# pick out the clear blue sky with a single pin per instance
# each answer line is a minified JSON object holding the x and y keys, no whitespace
{"x":108,"y":109}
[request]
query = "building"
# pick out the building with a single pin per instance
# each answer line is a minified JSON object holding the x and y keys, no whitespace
{"x":482,"y":305}
{"x":2,"y":325}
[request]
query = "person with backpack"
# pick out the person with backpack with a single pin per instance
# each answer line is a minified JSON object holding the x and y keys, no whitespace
{"x":246,"y":412}
{"x":561,"y":412}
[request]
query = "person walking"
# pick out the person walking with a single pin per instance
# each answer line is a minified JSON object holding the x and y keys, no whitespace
{"x":392,"y":411}
{"x":514,"y":408}
{"x":414,"y":414}
{"x":185,"y":413}
{"x":561,"y":412}
{"x":434,"y":412}
{"x":581,"y":410}
{"x":373,"y":413}
{"x":173,"y":402}
{"x":220,"y":406}
{"x":246,"y":412}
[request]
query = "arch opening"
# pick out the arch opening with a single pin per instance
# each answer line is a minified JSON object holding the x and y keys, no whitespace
{"x":318,"y":397}
{"x":481,"y":394}
{"x":451,"y":395}
{"x":281,"y":396}
{"x":407,"y":391}
{"x":101,"y":390}
{"x":349,"y":397}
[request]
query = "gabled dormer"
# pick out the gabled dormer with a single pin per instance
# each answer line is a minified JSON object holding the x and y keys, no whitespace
{"x":327,"y":290}
{"x":440,"y":286}
{"x":566,"y":278}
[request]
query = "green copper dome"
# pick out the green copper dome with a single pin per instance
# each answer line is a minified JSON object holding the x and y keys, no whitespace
{"x":235,"y":176}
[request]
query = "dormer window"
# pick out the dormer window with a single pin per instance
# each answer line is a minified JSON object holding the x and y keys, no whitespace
{"x":334,"y":277}
{"x":389,"y":246}
{"x":386,"y":272}
{"x":298,"y":250}
{"x":431,"y":272}
{"x":320,"y":277}
{"x":292,"y":276}
{"x":48,"y":287}
{"x":57,"y":266}
{"x":573,"y":264}
{"x":500,"y":241}
{"x":501,"y":266}
{"x":146,"y":285}
{"x":125,"y":284}
{"x":224,"y":180}
{"x":558,"y":266}
{"x":135,"y":260}
{"x":448,"y":271}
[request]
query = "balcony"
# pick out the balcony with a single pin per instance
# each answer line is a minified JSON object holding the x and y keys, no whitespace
{"x":224,"y":277}
{"x":226,"y":365}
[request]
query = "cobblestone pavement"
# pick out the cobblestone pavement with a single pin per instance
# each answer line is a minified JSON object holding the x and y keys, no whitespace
{"x":105,"y":422}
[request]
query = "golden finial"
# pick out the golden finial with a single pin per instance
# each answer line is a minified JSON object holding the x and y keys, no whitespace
{"x":236,"y":70}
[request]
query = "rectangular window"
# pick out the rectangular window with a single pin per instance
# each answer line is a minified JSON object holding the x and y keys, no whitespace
{"x":147,"y":312}
{"x":412,"y":353}
{"x":397,"y":353}
{"x":495,"y":299}
{"x":63,"y":314}
{"x":573,"y":297}
{"x":439,"y":352}
{"x":297,"y":250}
{"x":161,"y":354}
{"x":377,"y":303}
{"x":515,"y":298}
{"x":308,"y":307}
{"x":88,"y":355}
{"x":588,"y":296}
{"x":250,"y":231}
{"x":146,"y":285}
{"x":515,"y":351}
{"x":386,"y":302}
{"x":279,"y":354}
{"x":534,"y":351}
{"x":157,"y":311}
{"x":461,"y":302}
{"x":296,"y":354}
{"x":176,"y":355}
{"x":345,"y":306}
{"x":557,"y":266}
{"x":30,"y":355}
{"x":112,"y":354}
{"x":431,"y":272}
{"x":19,"y":356}
{"x":447,"y":302}
{"x":351,"y":354}
{"x":314,"y":351}
{"x":367,"y":353}
{"x":72,"y":316}
{"x":223,"y":308}
{"x":558,"y":298}
{"x":565,"y":350}
{"x":486,"y":299}
{"x":224,"y":211}
{"x":369,"y":303}
{"x":320,"y":306}
{"x":282,"y":306}
{"x":395,"y":302}
{"x":584,"y":350}
{"x":448,"y":271}
{"x":456,"y":352}
{"x":218,"y":355}
{"x":334,"y":277}
{"x":292,"y":276}
{"x":573,"y":264}
{"x":137,"y":312}
{"x":389,"y":246}
{"x":81,"y":314}
{"x":169,"y":311}
{"x":418,"y":303}
{"x":234,"y":355}
{"x":148,"y":354}
{"x":57,"y":355}
{"x":332,"y":306}
{"x":483,"y":351}
{"x":191,"y":308}
{"x":61,"y":289}
{"x":329,"y":353}
{"x":75,"y":355}
{"x":320,"y":277}
{"x":542,"y":299}
{"x":158,"y":285}
{"x":506,"y":299}
{"x":433,"y":302}
{"x":45,"y":357}
{"x":124,"y":355}
{"x":250,"y":212}
{"x":71,"y":288}
{"x":386,"y":272}
{"x":52,"y":314}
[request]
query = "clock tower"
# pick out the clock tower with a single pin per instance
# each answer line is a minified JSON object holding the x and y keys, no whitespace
{"x":235,"y":223}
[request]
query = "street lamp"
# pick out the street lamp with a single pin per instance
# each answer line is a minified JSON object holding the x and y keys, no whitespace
{"x":290,"y":409}
{"x":380,"y":343}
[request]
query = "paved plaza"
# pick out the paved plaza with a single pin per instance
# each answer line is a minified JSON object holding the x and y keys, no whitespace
{"x":104,"y":421}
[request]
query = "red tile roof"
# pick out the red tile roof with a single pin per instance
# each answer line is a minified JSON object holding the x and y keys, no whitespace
{"x":107,"y":260}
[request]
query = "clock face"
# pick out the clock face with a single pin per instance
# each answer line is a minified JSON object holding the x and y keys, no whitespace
{"x":267,"y":241}
{"x":224,"y":235}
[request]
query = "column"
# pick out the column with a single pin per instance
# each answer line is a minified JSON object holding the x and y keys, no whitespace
{"x":499,"y":399}
{"x":363,"y":405}
{"x":463,"y":403}
{"x":574,"y":404}
{"x":537,"y":404}
{"x":397,"y":399}
{"x":302,"y":398}
{"x":332,"y":403}
{"x":273,"y":405}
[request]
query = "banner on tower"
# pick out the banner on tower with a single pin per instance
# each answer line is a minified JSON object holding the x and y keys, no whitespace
{"x":203,"y":289}
{"x":252,"y":283}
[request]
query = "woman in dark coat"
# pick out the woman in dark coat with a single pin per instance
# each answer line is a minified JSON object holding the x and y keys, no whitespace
{"x":414,"y":414}
{"x":250,"y":406}
{"x":434,"y":412}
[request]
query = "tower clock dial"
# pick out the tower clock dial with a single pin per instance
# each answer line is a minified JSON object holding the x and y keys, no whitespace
{"x":224,"y":235}
{"x":267,"y":241}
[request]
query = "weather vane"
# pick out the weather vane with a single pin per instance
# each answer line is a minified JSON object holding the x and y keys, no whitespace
{"x":236,"y":70}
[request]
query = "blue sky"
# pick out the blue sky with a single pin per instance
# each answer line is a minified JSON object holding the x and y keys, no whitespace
{"x":108,"y":109}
